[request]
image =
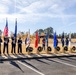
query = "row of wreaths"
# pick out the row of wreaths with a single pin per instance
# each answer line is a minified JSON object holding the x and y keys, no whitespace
{"x":50,"y":49}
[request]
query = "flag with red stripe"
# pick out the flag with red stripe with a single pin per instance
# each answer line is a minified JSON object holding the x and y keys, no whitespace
{"x":6,"y":29}
{"x":36,"y":41}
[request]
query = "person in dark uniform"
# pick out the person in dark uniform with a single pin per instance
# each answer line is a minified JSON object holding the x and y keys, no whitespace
{"x":6,"y":41}
{"x":67,"y":42}
{"x":43,"y":43}
{"x":13,"y":44}
{"x":0,"y":44}
{"x":62,"y":40}
{"x":19,"y":45}
{"x":56,"y":42}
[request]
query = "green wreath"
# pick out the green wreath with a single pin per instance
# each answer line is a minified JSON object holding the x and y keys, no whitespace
{"x":65,"y":48}
{"x":30,"y":49}
{"x":57,"y":48}
{"x":39,"y":48}
{"x":49,"y":49}
{"x":73,"y":48}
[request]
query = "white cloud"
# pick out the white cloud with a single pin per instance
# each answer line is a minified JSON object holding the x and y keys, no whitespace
{"x":35,"y":9}
{"x":5,"y":2}
{"x":4,"y":6}
{"x":33,"y":17}
{"x":3,"y":9}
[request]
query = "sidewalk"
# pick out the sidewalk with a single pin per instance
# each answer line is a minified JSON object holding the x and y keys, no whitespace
{"x":34,"y":56}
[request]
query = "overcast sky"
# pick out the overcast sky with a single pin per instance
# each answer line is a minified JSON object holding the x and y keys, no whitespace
{"x":39,"y":14}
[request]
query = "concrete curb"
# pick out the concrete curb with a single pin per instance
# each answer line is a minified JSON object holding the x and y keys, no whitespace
{"x":9,"y":58}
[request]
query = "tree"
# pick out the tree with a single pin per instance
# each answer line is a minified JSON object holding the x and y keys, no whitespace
{"x":49,"y":30}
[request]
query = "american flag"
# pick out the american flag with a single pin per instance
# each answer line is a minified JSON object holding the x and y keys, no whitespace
{"x":6,"y":29}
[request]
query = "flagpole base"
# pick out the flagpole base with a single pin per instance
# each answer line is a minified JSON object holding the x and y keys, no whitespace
{"x":47,"y":52}
{"x":28,"y":52}
{"x":54,"y":50}
{"x":37,"y":52}
{"x":70,"y":50}
{"x":63,"y":50}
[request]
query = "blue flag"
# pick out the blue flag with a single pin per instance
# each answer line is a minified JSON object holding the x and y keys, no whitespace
{"x":15,"y":34}
{"x":55,"y":40}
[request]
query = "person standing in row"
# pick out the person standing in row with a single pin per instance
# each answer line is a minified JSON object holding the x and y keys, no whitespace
{"x":19,"y":45}
{"x":0,"y":44}
{"x":62,"y":39}
{"x":56,"y":42}
{"x":13,"y":44}
{"x":43,"y":43}
{"x":6,"y":41}
{"x":67,"y":42}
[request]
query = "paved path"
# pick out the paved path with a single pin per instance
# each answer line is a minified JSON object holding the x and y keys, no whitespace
{"x":45,"y":66}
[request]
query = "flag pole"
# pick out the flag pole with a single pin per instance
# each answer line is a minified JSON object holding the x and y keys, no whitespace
{"x":70,"y":42}
{"x":46,"y":37}
{"x":15,"y":7}
{"x":28,"y":52}
{"x":69,"y":39}
{"x":62,"y":40}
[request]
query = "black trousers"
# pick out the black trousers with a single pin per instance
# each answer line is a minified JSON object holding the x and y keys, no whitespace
{"x":0,"y":49}
{"x":43,"y":46}
{"x":19,"y":48}
{"x":5,"y":47}
{"x":13,"y":48}
{"x":62,"y":44}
